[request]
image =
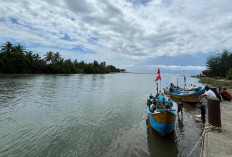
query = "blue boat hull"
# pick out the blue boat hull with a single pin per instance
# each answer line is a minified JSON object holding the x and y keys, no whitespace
{"x":187,"y":97}
{"x":162,"y":121}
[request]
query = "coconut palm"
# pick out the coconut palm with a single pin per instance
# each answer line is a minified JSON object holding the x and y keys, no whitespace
{"x":36,"y":57}
{"x":57,"y":57}
{"x":18,"y":49}
{"x":103,"y":64}
{"x":49,"y":57}
{"x":29,"y":55}
{"x":95,"y":63}
{"x":7,"y":47}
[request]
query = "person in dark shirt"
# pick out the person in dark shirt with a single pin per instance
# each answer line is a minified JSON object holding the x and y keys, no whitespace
{"x":180,"y":105}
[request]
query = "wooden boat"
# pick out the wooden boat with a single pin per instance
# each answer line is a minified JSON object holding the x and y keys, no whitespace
{"x":187,"y":96}
{"x":162,"y":120}
{"x":167,"y":91}
{"x":178,"y":89}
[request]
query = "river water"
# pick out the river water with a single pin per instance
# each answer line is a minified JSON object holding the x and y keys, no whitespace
{"x":88,"y":115}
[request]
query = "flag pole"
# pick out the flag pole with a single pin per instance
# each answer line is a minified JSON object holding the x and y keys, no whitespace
{"x":158,"y":78}
{"x":157,"y":88}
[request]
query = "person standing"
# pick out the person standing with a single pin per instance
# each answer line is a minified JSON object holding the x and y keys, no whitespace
{"x":208,"y":94}
{"x":180,"y":105}
{"x":203,"y":111}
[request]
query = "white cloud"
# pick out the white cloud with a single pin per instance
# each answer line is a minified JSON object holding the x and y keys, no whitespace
{"x":167,"y":67}
{"x":121,"y":29}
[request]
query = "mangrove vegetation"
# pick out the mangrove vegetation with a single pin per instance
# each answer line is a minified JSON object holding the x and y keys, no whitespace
{"x":15,"y":59}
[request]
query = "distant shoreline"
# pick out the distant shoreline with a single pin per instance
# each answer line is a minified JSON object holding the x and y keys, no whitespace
{"x":57,"y":73}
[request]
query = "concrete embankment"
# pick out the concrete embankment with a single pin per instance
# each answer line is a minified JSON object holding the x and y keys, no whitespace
{"x":218,"y":143}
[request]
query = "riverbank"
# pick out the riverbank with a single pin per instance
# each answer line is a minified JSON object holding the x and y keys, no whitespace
{"x":219,"y":143}
{"x":216,"y":82}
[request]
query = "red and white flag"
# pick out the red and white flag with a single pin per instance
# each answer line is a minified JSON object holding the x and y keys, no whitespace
{"x":158,"y":75}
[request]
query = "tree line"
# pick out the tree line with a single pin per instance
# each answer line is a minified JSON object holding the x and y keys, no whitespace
{"x":219,"y":65}
{"x":15,"y":59}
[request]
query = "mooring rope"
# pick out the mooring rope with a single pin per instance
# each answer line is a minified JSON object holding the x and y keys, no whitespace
{"x":207,"y":128}
{"x":203,"y":133}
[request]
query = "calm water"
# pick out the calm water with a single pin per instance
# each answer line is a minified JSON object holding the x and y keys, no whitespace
{"x":88,"y":115}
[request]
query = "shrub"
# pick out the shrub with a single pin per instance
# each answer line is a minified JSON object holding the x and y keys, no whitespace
{"x":229,"y":74}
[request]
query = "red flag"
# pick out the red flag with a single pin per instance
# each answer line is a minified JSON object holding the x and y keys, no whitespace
{"x":158,"y":72}
{"x":158,"y":77}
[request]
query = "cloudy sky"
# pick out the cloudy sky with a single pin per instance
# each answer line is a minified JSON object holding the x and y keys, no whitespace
{"x":137,"y":35}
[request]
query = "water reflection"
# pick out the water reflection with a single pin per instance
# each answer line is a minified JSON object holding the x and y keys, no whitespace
{"x":160,"y":146}
{"x":187,"y":130}
{"x":180,"y":122}
{"x":11,"y":87}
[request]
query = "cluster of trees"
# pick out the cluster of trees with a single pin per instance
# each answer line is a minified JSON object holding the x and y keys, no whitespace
{"x":219,"y":65}
{"x":15,"y":59}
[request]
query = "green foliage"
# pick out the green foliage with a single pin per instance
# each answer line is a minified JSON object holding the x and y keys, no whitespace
{"x":229,"y":74}
{"x":215,"y":82}
{"x":219,"y":64}
{"x":15,"y":59}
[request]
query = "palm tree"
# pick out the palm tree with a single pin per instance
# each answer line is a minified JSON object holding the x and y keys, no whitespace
{"x":49,"y":56}
{"x":103,"y":64}
{"x":36,"y":57}
{"x":29,"y":55}
{"x":95,"y":63}
{"x":75,"y":62}
{"x":19,"y":49}
{"x":57,"y":57}
{"x":81,"y":65}
{"x":7,"y":47}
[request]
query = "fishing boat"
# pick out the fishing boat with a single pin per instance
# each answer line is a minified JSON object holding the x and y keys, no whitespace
{"x":162,"y":120}
{"x":162,"y":117}
{"x":180,"y":90}
{"x":187,"y":96}
{"x":177,"y":88}
{"x":187,"y":89}
{"x":167,"y":91}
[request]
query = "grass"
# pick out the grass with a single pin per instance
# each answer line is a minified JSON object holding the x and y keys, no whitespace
{"x":216,"y":82}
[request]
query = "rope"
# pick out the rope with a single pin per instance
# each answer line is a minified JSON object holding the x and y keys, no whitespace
{"x":197,"y":143}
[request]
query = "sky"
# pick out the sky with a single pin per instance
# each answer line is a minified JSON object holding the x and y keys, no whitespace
{"x":136,"y":35}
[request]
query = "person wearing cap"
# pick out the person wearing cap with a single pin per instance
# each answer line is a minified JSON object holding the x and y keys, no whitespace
{"x":226,"y":95}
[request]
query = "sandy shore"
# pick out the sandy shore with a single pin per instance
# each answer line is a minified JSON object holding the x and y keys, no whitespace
{"x":216,"y":143}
